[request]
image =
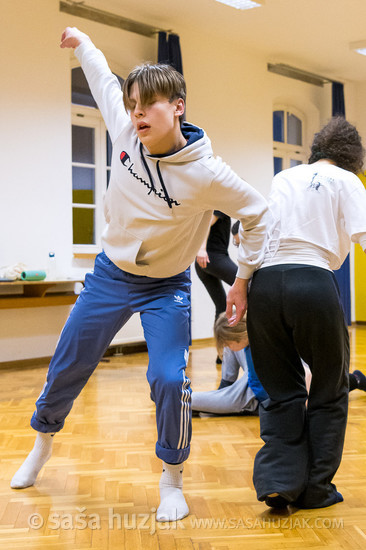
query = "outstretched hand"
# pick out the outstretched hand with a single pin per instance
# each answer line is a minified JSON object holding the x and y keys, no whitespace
{"x":237,"y":296}
{"x":72,"y":38}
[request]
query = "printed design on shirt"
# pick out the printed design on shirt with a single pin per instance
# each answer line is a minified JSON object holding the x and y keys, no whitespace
{"x":178,"y":299}
{"x":126,"y":162}
{"x":318,"y":180}
{"x":315,"y":183}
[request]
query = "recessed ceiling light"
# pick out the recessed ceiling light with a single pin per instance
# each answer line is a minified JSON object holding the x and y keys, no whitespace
{"x":242,"y":4}
{"x":359,"y":47}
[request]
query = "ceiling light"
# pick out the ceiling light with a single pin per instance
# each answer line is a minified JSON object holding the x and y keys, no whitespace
{"x":242,"y":4}
{"x":359,"y":47}
{"x":298,"y":74}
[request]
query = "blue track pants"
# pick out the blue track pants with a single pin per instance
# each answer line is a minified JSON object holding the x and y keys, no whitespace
{"x":106,"y":303}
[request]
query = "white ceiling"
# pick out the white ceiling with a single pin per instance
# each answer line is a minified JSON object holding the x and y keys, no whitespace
{"x":313,"y":35}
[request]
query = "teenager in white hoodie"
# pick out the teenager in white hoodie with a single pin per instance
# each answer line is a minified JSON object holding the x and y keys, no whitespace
{"x":165,"y":184}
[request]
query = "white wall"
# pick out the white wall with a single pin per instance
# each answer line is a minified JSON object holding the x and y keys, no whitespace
{"x":230,"y":94}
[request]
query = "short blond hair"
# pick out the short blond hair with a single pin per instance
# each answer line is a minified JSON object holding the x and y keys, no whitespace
{"x":225,"y":333}
{"x":152,"y":80}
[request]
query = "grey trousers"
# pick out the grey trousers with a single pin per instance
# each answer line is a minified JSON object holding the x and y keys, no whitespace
{"x":236,"y":398}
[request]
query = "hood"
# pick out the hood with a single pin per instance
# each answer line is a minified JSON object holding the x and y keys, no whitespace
{"x":198,"y":146}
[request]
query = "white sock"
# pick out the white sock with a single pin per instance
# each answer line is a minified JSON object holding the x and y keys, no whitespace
{"x":29,"y":470}
{"x":173,"y":505}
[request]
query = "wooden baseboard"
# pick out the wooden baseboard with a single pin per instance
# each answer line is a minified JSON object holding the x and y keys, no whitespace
{"x":126,"y":349}
{"x":32,"y":363}
{"x":121,"y":349}
{"x":204,"y":341}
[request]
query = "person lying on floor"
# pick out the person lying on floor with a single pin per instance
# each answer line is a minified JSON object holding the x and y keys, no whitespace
{"x":234,"y":395}
{"x":241,"y":396}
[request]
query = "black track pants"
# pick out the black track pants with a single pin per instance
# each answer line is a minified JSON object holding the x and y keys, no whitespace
{"x":294,"y":312}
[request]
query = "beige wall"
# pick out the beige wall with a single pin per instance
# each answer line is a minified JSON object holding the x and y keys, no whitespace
{"x":230,"y":94}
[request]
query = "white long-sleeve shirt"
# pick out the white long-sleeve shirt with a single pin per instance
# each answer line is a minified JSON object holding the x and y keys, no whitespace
{"x":151,"y":232}
{"x":317,"y":209}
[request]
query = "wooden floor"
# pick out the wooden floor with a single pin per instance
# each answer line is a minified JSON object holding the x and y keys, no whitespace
{"x":100,"y":488}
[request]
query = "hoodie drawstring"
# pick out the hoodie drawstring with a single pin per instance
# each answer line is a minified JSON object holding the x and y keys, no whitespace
{"x":147,"y":170}
{"x":167,"y":198}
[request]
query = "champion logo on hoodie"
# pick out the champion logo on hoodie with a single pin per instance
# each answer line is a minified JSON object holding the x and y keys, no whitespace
{"x":162,"y":194}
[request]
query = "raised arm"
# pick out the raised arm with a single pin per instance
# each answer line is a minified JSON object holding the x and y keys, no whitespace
{"x":103,"y":84}
{"x":72,"y":38}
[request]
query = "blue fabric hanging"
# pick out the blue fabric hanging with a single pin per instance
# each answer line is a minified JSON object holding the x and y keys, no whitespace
{"x":169,"y":51}
{"x":163,"y":52}
{"x":338,"y":106}
{"x":343,"y":274}
{"x":175,"y":55}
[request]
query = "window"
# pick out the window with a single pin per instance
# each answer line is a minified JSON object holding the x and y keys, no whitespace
{"x":288,"y":141}
{"x":91,"y":165}
{"x":89,"y":176}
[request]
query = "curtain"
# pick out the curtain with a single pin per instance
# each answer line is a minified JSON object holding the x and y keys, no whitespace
{"x":343,"y":274}
{"x":169,"y":51}
{"x":338,"y":107}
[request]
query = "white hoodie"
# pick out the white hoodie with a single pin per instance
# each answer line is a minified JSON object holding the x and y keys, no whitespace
{"x":158,"y":208}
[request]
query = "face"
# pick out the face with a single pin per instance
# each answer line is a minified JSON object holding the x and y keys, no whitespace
{"x":236,"y":240}
{"x":157,"y":123}
{"x":237,"y":346}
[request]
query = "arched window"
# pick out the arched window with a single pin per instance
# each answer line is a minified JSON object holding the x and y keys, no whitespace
{"x":91,"y":164}
{"x":288,"y":138}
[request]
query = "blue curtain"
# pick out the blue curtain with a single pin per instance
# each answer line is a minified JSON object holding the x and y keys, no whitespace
{"x":343,"y":274}
{"x":338,"y":107}
{"x":169,"y":51}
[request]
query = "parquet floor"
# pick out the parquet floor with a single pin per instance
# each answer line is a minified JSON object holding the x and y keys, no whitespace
{"x":100,"y":488}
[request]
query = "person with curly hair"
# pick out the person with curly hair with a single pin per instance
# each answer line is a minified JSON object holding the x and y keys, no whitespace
{"x":294,"y":313}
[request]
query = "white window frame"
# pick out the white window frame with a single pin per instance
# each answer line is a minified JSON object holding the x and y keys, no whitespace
{"x":285,"y":150}
{"x":91,"y":118}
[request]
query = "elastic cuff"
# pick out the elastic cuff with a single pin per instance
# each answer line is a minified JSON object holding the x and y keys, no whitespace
{"x":362,"y":242}
{"x":245,"y":272}
{"x":172,"y":456}
{"x":45,"y":428}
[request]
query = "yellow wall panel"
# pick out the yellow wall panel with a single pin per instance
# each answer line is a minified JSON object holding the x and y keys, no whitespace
{"x":360,"y":276}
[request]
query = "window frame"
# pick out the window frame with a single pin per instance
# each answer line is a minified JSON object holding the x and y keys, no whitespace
{"x":91,"y":117}
{"x":288,"y":151}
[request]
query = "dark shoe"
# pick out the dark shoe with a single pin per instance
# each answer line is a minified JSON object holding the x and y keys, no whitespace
{"x":361,"y":380}
{"x":276,"y":502}
{"x":335,"y":498}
